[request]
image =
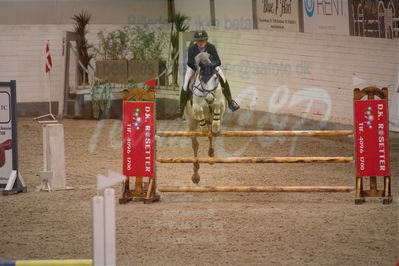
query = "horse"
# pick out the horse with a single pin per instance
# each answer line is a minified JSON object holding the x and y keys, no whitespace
{"x":206,"y":107}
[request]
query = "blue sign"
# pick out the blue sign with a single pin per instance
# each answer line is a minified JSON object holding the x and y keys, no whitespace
{"x":309,"y":7}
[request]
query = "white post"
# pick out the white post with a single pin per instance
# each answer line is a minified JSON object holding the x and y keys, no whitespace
{"x":395,"y":102}
{"x":54,"y":154}
{"x":109,"y":225}
{"x":11,"y":180}
{"x":63,"y":76}
{"x":49,"y":100}
{"x":98,"y":231}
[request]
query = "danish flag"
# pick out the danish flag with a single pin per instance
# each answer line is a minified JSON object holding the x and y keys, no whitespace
{"x":152,"y":83}
{"x":49,"y":62}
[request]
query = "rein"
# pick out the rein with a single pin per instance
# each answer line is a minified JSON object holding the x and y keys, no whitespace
{"x":200,"y":87}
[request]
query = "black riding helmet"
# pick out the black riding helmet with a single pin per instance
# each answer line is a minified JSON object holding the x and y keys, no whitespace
{"x":200,"y":35}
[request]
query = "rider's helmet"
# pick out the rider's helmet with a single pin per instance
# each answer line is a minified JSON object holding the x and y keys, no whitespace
{"x":200,"y":35}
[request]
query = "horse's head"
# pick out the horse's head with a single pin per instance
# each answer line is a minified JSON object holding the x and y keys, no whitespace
{"x":207,"y":79}
{"x":208,"y":73}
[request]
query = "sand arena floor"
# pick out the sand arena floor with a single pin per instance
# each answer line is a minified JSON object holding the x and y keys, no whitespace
{"x":207,"y":228}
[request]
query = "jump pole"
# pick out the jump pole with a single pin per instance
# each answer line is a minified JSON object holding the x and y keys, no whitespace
{"x":46,"y":263}
{"x":258,"y":189}
{"x":271,"y":133}
{"x":258,"y":160}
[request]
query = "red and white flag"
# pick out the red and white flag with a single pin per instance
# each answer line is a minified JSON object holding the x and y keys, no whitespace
{"x":152,"y":83}
{"x":49,"y":62}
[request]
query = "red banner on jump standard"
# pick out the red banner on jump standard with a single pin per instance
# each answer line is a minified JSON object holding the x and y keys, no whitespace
{"x":138,"y":139}
{"x":372,"y":148}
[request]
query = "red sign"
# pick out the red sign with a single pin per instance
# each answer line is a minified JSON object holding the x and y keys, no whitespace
{"x":372,"y":148}
{"x":138,"y":139}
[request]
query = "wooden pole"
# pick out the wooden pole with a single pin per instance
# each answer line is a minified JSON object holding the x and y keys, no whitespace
{"x":257,"y":133}
{"x":258,"y":189}
{"x":258,"y":160}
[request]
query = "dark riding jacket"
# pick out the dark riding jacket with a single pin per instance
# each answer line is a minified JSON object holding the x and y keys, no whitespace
{"x":193,"y":50}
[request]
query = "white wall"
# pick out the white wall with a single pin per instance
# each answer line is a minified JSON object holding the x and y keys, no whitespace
{"x":25,"y":27}
{"x":233,"y":15}
{"x":265,"y":69}
{"x":261,"y":60}
{"x":197,"y":11}
{"x":39,"y":12}
{"x":22,"y":53}
{"x":290,"y":72}
{"x":229,"y":14}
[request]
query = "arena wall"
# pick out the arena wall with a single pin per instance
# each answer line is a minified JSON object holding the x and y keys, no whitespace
{"x":308,"y":75}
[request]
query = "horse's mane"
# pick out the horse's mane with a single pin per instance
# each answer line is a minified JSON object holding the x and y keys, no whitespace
{"x":203,"y":58}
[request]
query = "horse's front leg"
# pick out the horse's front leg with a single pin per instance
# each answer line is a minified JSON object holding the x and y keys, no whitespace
{"x":195,"y":177}
{"x":200,"y":116}
{"x":217,"y":116}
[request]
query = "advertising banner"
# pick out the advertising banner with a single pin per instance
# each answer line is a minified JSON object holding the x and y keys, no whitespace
{"x":372,"y":148}
{"x":280,"y":15}
{"x":326,"y":16}
{"x":8,"y":132}
{"x":138,"y":139}
{"x":371,"y":18}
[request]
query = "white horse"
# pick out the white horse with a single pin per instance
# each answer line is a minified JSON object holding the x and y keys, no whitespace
{"x":207,"y":106}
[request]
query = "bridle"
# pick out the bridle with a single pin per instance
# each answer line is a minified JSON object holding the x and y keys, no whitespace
{"x":198,"y":85}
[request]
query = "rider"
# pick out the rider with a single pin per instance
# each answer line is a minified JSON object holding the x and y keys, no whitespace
{"x":202,"y":45}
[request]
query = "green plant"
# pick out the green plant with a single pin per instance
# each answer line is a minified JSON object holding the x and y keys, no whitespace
{"x":82,"y":20}
{"x":146,"y":44}
{"x":101,"y":99}
{"x":113,"y":45}
{"x":132,"y":42}
{"x":131,"y":84}
{"x":180,"y":25}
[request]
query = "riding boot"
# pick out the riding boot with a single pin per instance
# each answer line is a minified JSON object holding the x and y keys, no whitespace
{"x":233,"y":105}
{"x":184,"y":96}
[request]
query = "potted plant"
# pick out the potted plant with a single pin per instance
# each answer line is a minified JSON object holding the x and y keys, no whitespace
{"x":179,"y":24}
{"x":132,"y":52}
{"x":101,"y":99}
{"x":82,"y":20}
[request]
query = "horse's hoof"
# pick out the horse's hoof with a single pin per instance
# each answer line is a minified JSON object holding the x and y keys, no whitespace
{"x":215,"y":130}
{"x":195,"y":178}
{"x":211,"y":152}
{"x":216,"y":134}
{"x":204,"y":129}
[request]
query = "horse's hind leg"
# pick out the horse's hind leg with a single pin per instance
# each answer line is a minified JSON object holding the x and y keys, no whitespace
{"x":211,"y":150}
{"x":195,"y":177}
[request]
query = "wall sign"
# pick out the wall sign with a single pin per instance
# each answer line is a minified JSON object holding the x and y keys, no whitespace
{"x":278,"y":15}
{"x":8,"y":132}
{"x":326,"y":16}
{"x":371,"y":18}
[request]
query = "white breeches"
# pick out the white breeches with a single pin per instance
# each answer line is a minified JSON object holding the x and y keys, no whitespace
{"x":189,"y":73}
{"x":220,"y":72}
